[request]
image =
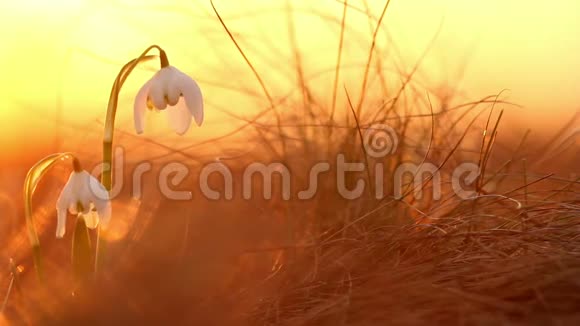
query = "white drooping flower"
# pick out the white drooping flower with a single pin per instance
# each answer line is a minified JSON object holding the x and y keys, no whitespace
{"x":83,"y":195}
{"x":174,"y":93}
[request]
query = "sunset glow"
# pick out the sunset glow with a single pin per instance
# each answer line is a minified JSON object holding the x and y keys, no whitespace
{"x":60,"y":56}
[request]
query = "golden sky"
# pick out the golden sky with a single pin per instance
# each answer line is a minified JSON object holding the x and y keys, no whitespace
{"x":59,"y":57}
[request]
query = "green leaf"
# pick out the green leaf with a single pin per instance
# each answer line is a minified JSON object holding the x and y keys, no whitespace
{"x":82,"y":255}
{"x":33,"y":176}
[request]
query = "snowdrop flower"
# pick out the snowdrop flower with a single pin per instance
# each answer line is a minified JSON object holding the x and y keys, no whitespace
{"x":174,"y":93}
{"x":84,"y":196}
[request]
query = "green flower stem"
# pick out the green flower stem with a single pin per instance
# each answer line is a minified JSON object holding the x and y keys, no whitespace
{"x":81,"y":253}
{"x":107,"y":175}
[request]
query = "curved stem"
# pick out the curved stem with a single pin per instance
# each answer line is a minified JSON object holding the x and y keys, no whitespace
{"x":36,"y":172}
{"x":106,"y":176}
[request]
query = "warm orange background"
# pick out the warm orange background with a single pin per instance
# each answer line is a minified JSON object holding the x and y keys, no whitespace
{"x":59,"y":57}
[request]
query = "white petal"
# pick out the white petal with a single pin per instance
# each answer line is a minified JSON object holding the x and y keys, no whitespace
{"x":62,"y":203}
{"x":91,"y":219}
{"x":193,"y":97}
{"x":65,"y":197}
{"x":61,"y":222}
{"x":96,"y":189}
{"x":157,"y":91}
{"x":85,"y":190}
{"x":77,"y":181}
{"x":100,"y":200}
{"x":79,"y":192}
{"x":72,"y":208}
{"x":140,"y":107}
{"x":173,"y":90}
{"x":179,"y":117}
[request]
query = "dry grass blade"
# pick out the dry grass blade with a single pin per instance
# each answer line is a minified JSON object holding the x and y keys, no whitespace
{"x":255,"y":72}
{"x":362,"y":144}
{"x":370,"y":59}
{"x":337,"y":66}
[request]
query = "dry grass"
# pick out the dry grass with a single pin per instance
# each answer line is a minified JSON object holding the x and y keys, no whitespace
{"x":442,"y":273}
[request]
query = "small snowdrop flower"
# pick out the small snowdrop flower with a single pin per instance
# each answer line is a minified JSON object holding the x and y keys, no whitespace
{"x":84,"y":196}
{"x":174,"y":93}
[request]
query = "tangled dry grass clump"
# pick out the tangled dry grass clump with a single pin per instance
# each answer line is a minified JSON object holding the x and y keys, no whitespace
{"x":509,"y":253}
{"x":447,"y":272}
